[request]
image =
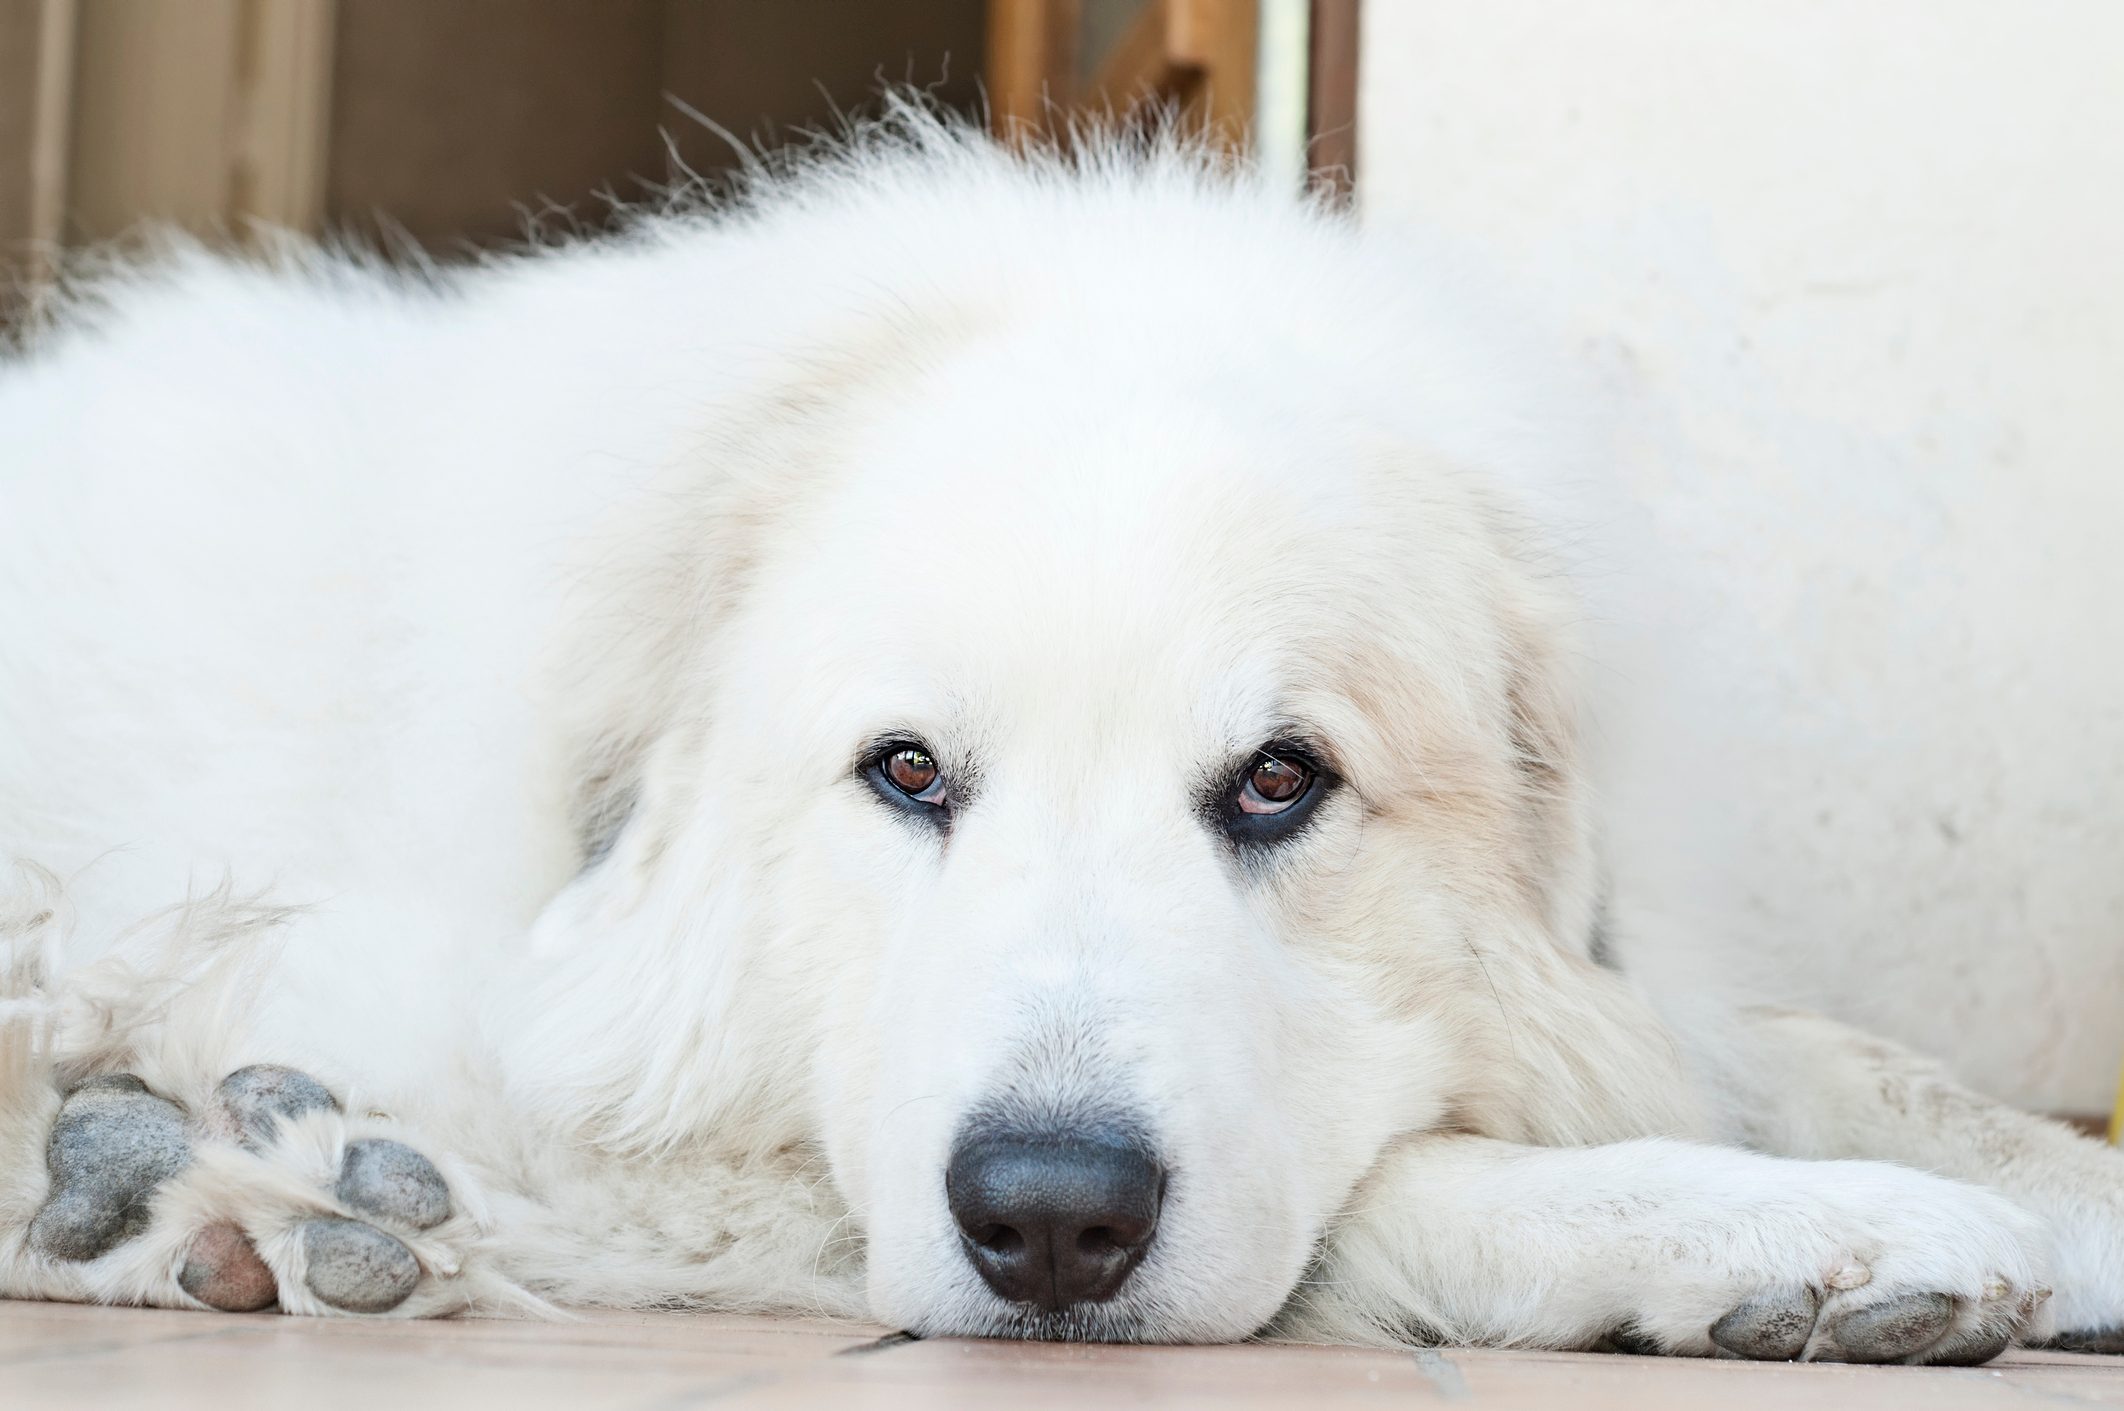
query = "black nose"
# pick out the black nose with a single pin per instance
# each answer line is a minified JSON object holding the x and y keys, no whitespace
{"x":1054,"y":1220}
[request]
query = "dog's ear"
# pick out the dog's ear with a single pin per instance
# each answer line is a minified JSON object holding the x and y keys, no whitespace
{"x":656,"y":586}
{"x":656,"y":582}
{"x":619,"y":1025}
{"x":1558,"y":858}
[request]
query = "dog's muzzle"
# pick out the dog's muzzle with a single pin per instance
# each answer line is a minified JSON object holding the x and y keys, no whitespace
{"x":1053,"y":1220}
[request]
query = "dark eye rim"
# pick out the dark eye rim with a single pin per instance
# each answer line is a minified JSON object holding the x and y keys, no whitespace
{"x":936,"y":809}
{"x":1261,"y":830}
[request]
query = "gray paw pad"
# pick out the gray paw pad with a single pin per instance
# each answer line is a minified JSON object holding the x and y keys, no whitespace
{"x":1890,"y":1331}
{"x":1768,"y":1328}
{"x":113,"y":1144}
{"x":2108,"y":1340}
{"x":1970,"y":1349}
{"x":357,"y":1267}
{"x":222,"y":1270}
{"x":392,"y":1181}
{"x":251,"y":1102}
{"x":1625,"y":1341}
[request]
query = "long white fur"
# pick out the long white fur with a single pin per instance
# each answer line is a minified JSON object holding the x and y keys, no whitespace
{"x":513,"y":636}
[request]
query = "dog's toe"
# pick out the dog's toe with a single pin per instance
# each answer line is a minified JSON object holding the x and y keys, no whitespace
{"x":113,"y":1143}
{"x":1770,"y":1327}
{"x":1888,"y":1331}
{"x":252,"y":1102}
{"x":357,"y":1268}
{"x":222,"y":1270}
{"x":392,"y":1181}
{"x":1970,"y":1349}
{"x":1625,"y":1340}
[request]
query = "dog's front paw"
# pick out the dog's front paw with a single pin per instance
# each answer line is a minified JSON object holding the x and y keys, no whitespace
{"x":1873,"y":1264}
{"x":258,"y":1197}
{"x":1923,"y":1327}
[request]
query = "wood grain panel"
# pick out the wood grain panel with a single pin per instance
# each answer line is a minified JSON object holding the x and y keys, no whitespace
{"x":1332,"y":98}
{"x":36,"y":84}
{"x":454,"y":119}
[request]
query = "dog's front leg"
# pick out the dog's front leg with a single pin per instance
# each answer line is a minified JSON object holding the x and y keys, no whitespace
{"x":1672,"y":1247}
{"x":1801,"y":1085}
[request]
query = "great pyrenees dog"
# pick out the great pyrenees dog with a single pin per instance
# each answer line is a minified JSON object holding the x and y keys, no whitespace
{"x":994,"y":742}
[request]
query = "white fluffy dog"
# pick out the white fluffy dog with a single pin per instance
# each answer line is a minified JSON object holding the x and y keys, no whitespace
{"x":989,"y":742}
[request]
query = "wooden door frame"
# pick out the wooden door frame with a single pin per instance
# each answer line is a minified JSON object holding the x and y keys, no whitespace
{"x":1184,"y":51}
{"x":1331,"y":96}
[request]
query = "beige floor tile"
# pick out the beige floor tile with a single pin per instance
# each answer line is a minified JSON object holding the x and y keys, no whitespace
{"x":56,"y":1357}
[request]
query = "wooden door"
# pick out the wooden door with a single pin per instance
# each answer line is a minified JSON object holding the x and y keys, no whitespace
{"x":1276,"y":78}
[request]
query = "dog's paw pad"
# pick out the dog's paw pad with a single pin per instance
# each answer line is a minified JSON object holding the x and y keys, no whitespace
{"x":1769,"y":1327}
{"x":392,"y":1181}
{"x":1888,"y":1331}
{"x":1972,"y":1348}
{"x":222,"y":1270}
{"x":1624,"y":1340}
{"x":2102,"y":1340}
{"x":252,"y":1102}
{"x":357,"y":1268}
{"x":113,"y":1143}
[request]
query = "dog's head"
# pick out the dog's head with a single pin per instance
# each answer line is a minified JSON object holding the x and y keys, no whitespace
{"x":1081,"y":791}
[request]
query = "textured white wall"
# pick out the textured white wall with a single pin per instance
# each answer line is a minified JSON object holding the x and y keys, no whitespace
{"x":1856,"y":274}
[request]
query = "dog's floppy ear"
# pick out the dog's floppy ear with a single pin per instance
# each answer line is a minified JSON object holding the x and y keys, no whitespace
{"x":621,"y":1028}
{"x":620,"y":1025}
{"x":656,"y":583}
{"x":1558,"y":861}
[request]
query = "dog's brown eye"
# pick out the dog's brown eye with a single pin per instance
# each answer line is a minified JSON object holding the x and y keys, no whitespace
{"x":1272,"y":797}
{"x":906,"y":775}
{"x":1273,"y":785}
{"x":912,"y":772}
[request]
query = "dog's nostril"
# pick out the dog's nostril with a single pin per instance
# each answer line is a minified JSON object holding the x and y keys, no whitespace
{"x":1054,"y":1220}
{"x":1100,"y":1240}
{"x":1000,"y":1238}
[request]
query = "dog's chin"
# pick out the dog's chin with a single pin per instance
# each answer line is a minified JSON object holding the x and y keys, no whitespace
{"x":1098,"y":1323}
{"x":1121,"y":1320}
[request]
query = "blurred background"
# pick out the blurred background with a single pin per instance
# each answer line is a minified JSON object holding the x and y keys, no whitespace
{"x":1852,"y":275}
{"x":448,"y":122}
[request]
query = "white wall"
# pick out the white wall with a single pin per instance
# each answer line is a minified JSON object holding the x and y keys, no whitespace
{"x":1856,"y":272}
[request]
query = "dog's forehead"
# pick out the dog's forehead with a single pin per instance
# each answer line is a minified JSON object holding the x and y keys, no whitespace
{"x":1073,"y":539}
{"x":1114,"y":555}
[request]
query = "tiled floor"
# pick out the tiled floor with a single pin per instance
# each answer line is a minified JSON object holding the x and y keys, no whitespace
{"x":54,"y":1356}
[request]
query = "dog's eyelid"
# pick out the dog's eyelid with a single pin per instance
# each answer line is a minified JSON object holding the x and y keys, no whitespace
{"x":1293,"y":743}
{"x":884,"y":742}
{"x":948,"y":791}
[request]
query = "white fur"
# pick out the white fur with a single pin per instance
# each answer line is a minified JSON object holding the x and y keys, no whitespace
{"x":514,"y":636}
